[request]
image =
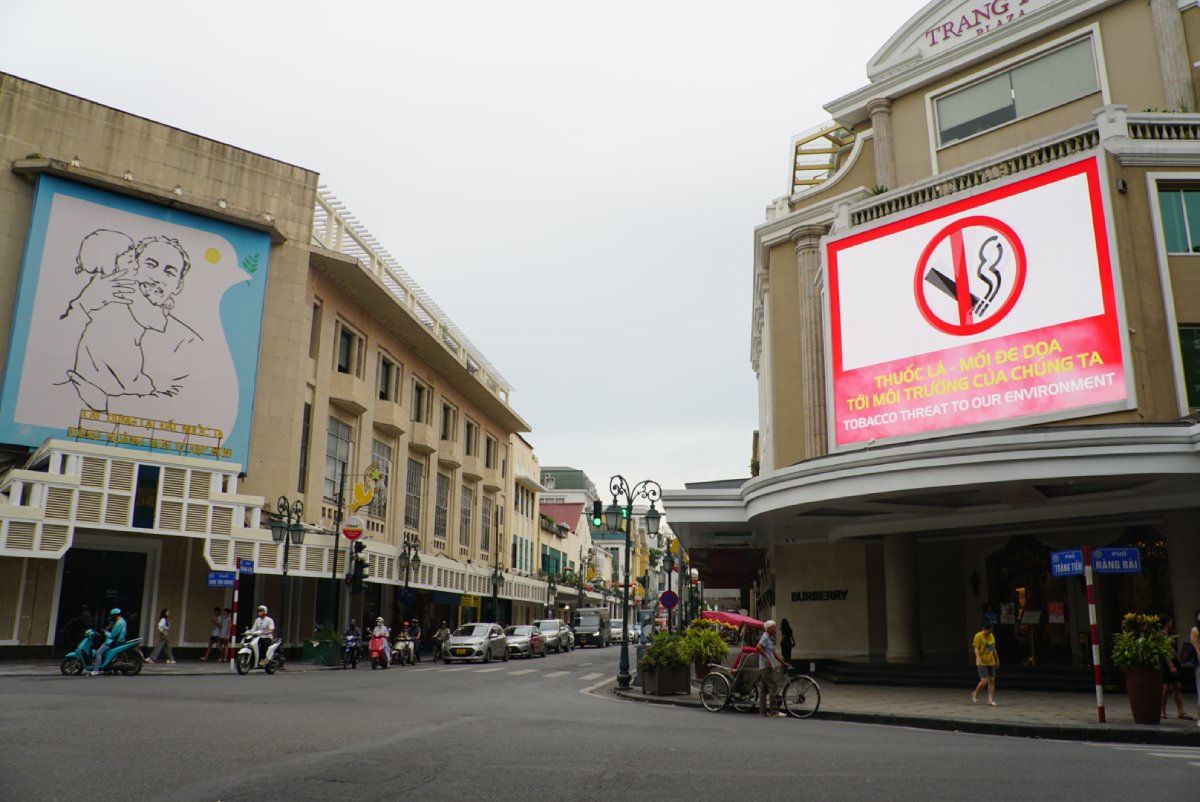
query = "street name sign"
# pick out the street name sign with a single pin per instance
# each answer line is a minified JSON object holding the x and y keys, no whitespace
{"x":1117,"y":561}
{"x":246,"y":566}
{"x":220,"y":579}
{"x":1066,"y":563}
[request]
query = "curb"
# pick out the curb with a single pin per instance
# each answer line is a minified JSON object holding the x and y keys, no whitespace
{"x":1063,"y":732}
{"x":174,"y":673}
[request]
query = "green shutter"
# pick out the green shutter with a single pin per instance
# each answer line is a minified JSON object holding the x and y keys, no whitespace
{"x":1170,"y":204}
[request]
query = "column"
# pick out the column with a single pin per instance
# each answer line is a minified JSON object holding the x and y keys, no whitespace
{"x":900,"y":592}
{"x":880,"y":110}
{"x":1173,"y":60}
{"x":812,"y":337}
{"x":1183,"y":555}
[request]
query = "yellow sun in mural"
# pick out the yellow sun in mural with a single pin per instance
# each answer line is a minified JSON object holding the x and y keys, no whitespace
{"x":212,"y":255}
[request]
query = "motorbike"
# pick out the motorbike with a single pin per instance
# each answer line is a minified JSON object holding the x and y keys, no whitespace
{"x":351,"y":651}
{"x":377,"y":646}
{"x":403,"y":653}
{"x":254,"y":653}
{"x":439,"y":649}
{"x":125,"y":658}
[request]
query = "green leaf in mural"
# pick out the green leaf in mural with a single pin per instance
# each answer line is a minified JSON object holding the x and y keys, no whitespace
{"x":250,"y":264}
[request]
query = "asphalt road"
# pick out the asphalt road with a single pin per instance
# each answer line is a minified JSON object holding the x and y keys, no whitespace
{"x":523,"y":730}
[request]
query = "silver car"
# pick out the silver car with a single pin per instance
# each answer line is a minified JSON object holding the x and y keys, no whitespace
{"x":525,"y":640}
{"x":558,"y":634}
{"x":484,"y":642}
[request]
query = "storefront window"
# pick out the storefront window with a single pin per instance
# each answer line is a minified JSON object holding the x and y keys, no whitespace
{"x":1180,"y":219}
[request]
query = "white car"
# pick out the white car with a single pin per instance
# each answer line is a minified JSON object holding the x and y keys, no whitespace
{"x":483,"y":642}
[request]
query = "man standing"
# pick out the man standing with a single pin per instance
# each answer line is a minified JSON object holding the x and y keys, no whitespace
{"x":986,"y":662}
{"x":769,"y":662}
{"x":220,"y":631}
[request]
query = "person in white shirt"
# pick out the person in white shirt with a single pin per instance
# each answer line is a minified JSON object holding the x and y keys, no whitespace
{"x":220,"y":632}
{"x":164,"y":638}
{"x":769,"y":663}
{"x":264,"y":625}
{"x":381,"y":631}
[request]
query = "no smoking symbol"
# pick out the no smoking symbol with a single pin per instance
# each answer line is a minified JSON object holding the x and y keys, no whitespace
{"x":970,"y":275}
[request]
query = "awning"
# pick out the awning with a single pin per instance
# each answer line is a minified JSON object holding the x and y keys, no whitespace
{"x":733,"y":618}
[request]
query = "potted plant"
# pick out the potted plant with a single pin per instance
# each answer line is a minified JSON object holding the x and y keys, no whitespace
{"x":664,"y":666}
{"x":704,"y":645}
{"x":322,"y":648}
{"x":1141,"y":650}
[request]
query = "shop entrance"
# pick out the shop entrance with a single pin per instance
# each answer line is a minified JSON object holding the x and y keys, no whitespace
{"x":102,"y":580}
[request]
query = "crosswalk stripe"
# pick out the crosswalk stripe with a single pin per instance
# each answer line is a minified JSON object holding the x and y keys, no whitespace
{"x":594,"y":675}
{"x":487,"y":670}
{"x":557,"y":674}
{"x":522,"y":671}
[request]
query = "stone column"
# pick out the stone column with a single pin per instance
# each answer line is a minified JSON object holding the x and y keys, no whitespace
{"x":812,"y":337}
{"x":1183,"y":555}
{"x":900,"y":591}
{"x":1173,"y":60}
{"x":880,"y":110}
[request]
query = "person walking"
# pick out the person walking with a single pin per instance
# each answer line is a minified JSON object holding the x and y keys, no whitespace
{"x":769,"y":661}
{"x":1171,"y":674}
{"x":1194,"y":640}
{"x":220,"y":631}
{"x":986,"y":663}
{"x":163,"y":640}
{"x":787,"y":640}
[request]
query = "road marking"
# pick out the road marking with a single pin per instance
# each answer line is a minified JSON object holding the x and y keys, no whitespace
{"x":557,"y":674}
{"x":418,"y":670}
{"x":487,"y":670}
{"x":522,"y":671}
{"x":594,"y":675}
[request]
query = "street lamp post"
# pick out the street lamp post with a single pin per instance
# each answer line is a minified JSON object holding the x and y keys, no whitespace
{"x":287,"y":527}
{"x":497,"y":583}
{"x":613,"y":515}
{"x":669,"y":564}
{"x":410,"y":560}
{"x":551,"y":592}
{"x":583,"y":566}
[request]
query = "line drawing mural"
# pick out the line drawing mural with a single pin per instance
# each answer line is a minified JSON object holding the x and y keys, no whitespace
{"x":136,"y":322}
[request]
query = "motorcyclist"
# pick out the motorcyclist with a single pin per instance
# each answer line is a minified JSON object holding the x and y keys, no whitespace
{"x":439,"y":638}
{"x":114,"y":637}
{"x":352,"y":631}
{"x":381,"y":631}
{"x":414,"y":635}
{"x":263,"y":627}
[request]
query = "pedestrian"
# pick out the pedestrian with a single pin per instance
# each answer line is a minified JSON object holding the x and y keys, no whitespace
{"x":217,"y":639}
{"x":1194,"y":640}
{"x":769,"y":661}
{"x":163,"y":640}
{"x":787,"y":640}
{"x":1171,"y":686}
{"x":986,"y":662}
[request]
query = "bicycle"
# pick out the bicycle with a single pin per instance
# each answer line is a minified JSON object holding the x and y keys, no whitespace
{"x":799,"y":694}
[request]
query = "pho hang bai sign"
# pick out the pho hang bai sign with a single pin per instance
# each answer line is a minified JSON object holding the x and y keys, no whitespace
{"x":974,"y":19}
{"x":999,"y":309}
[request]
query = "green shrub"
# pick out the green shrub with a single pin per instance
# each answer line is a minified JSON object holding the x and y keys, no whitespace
{"x":1141,"y":643}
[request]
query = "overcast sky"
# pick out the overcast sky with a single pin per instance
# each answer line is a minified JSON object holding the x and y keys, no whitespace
{"x":575,"y":184}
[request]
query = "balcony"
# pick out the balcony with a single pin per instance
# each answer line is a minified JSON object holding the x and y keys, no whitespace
{"x":349,"y":393}
{"x":450,"y":454}
{"x":493,"y":481}
{"x":472,"y":467}
{"x":422,"y":438}
{"x":389,"y":417}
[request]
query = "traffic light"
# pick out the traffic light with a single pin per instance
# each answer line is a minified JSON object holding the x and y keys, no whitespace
{"x":358,"y":569}
{"x":597,"y":514}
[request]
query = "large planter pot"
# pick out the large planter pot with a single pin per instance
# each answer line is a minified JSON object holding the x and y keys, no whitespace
{"x":322,"y":652}
{"x":664,"y":680}
{"x":1144,"y":686}
{"x":702,"y":670}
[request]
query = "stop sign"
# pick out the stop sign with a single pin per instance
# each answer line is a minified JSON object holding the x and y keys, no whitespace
{"x":352,"y":527}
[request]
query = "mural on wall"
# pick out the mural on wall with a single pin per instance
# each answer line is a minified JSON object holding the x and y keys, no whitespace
{"x":135,"y":325}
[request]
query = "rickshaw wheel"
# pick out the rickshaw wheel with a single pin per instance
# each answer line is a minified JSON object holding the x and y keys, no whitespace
{"x":714,"y":692}
{"x":747,"y":702}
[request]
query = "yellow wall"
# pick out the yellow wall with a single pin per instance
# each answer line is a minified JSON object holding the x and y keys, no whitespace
{"x":784,"y":318}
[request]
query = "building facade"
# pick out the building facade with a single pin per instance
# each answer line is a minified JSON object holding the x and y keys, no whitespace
{"x":975,"y":327}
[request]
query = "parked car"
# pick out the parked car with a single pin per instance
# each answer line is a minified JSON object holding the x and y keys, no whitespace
{"x":569,"y":637}
{"x":558,"y":635}
{"x":484,"y":642}
{"x":525,"y":640}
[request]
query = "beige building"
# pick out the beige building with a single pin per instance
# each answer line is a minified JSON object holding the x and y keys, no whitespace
{"x":197,"y":331}
{"x":976,"y":332}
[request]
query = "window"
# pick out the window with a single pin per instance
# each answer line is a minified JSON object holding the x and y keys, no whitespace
{"x":504,"y":461}
{"x":1038,"y":85}
{"x":305,"y":436}
{"x":381,"y":457}
{"x":471,"y":438}
{"x":389,"y":380}
{"x":449,"y":421}
{"x":414,"y":487}
{"x":549,"y":482}
{"x":441,"y":506}
{"x":1189,"y":347}
{"x":145,"y":497}
{"x":314,"y":332}
{"x":485,"y":524}
{"x":515,"y":562}
{"x":489,"y":451}
{"x":349,"y":350}
{"x":1181,"y":219}
{"x":466,"y":510}
{"x":337,"y":455}
{"x":420,"y":402}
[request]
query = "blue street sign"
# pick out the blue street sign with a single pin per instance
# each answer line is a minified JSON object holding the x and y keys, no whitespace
{"x":1066,"y":563}
{"x":1117,"y":561}
{"x":669,"y":599}
{"x":220,"y":579}
{"x":246,"y":566}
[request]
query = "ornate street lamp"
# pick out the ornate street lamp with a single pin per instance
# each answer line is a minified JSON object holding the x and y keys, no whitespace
{"x":497,"y":583}
{"x":410,"y":560}
{"x":613,"y":516}
{"x":287,"y":527}
{"x":669,"y":564}
{"x":551,"y":592}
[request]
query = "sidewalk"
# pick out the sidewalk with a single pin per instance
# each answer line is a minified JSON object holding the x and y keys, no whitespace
{"x":1029,"y":714}
{"x":184,"y":668}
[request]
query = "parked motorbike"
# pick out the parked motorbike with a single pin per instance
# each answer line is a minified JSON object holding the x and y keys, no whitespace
{"x":351,"y":651}
{"x":402,"y":651}
{"x":254,"y":653}
{"x":125,"y":658}
{"x":377,"y":647}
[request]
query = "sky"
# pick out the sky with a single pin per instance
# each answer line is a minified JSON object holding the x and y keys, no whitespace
{"x":575,"y":185}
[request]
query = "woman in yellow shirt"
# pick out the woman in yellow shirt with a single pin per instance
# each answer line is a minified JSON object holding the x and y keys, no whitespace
{"x":986,"y":661}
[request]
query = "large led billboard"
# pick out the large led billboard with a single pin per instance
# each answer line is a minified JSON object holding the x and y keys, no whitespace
{"x":135,"y":324}
{"x":998,"y":309}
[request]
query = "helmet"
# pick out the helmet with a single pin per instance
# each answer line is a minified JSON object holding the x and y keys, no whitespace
{"x":405,"y":623}
{"x":379,"y":620}
{"x":262,"y":608}
{"x":115,"y":611}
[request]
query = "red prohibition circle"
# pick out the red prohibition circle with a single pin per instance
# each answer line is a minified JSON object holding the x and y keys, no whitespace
{"x":961,"y":328}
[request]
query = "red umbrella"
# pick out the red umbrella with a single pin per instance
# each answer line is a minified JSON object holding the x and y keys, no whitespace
{"x":733,"y":618}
